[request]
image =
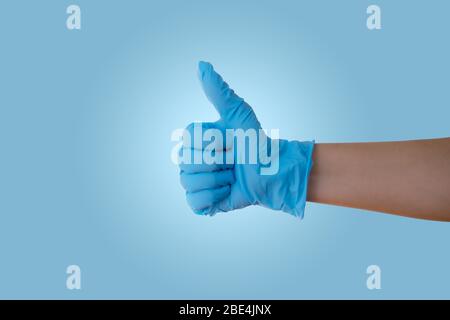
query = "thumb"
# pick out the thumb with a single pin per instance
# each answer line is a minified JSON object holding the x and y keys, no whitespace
{"x":232,"y":108}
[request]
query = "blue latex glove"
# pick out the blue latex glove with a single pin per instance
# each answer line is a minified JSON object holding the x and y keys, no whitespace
{"x":212,"y":188}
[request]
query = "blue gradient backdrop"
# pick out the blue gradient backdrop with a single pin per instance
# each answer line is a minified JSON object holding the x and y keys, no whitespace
{"x":85,"y":124}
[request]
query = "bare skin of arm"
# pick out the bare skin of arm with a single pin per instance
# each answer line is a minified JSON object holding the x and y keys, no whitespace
{"x":407,"y":178}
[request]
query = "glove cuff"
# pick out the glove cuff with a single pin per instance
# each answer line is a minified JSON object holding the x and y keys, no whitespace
{"x":299,"y":156}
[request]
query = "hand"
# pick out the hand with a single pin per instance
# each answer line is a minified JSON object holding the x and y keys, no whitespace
{"x":221,"y":187}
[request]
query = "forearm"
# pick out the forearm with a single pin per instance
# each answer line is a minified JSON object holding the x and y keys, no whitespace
{"x":409,"y":178}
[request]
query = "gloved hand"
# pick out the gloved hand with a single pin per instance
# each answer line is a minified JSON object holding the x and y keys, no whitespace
{"x":221,"y":187}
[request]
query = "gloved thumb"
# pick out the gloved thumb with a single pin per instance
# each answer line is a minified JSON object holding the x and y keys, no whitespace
{"x":231,"y":108}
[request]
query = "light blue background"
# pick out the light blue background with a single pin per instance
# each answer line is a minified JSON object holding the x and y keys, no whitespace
{"x":85,"y":124}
